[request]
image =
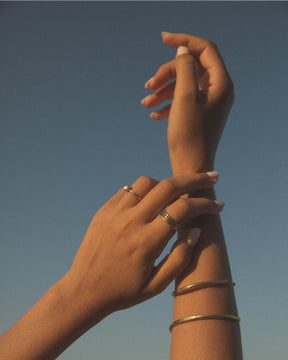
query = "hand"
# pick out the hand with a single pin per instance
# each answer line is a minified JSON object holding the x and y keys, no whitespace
{"x":114,"y":267}
{"x":202,"y":97}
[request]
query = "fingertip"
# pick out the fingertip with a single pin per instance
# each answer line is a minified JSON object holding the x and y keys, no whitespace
{"x":148,"y":84}
{"x":193,"y":237}
{"x":220,"y":205}
{"x":213,"y":174}
{"x":182,"y":50}
{"x":155,"y":116}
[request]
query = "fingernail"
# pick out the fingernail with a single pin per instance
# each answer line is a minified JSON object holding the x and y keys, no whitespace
{"x":153,"y":115}
{"x":213,"y":174}
{"x":148,"y":83}
{"x":164,"y":33}
{"x":182,"y":50}
{"x":144,"y":100}
{"x":193,"y":236}
{"x":219,"y":204}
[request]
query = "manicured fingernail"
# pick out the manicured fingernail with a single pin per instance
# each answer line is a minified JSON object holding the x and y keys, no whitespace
{"x":213,"y":174}
{"x":153,"y":115}
{"x":144,"y":100}
{"x":193,"y":236}
{"x":149,"y":83}
{"x":164,"y":33}
{"x":219,"y":204}
{"x":182,"y":50}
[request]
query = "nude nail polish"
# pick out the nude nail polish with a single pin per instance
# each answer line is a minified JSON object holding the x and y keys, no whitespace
{"x":219,"y":204}
{"x":213,"y":174}
{"x":193,"y":236}
{"x":182,"y":50}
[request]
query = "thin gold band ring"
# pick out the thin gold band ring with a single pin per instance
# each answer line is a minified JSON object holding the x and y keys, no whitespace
{"x":170,"y":221}
{"x":128,"y":188}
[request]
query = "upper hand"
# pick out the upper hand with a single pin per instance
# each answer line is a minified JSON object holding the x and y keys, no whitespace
{"x":202,"y":97}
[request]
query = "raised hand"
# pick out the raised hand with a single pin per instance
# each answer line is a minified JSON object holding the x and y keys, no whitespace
{"x":202,"y":97}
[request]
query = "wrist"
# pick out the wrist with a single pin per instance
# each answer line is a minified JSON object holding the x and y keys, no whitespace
{"x":83,"y":311}
{"x":187,"y":160}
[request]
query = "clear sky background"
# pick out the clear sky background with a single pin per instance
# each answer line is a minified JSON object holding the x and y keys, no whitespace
{"x":73,"y":131}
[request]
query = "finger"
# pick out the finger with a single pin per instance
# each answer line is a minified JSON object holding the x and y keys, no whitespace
{"x":162,"y":94}
{"x":208,"y":55}
{"x":173,"y":264}
{"x":139,"y":189}
{"x":172,"y":188}
{"x":187,"y":82}
{"x":165,"y":73}
{"x":161,"y":114}
{"x":181,"y":211}
{"x":205,"y":49}
{"x":186,"y":94}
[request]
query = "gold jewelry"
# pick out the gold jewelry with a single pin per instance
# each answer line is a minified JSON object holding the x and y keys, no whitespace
{"x":203,"y":317}
{"x":128,"y":188}
{"x":170,"y":221}
{"x":188,"y":288}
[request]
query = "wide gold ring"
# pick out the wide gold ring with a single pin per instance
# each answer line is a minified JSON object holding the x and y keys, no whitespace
{"x":170,"y":221}
{"x":128,"y":188}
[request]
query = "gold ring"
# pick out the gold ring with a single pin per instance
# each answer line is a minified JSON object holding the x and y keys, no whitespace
{"x":170,"y":221}
{"x":128,"y":188}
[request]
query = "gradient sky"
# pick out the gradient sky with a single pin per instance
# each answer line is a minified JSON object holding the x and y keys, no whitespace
{"x":73,"y":131}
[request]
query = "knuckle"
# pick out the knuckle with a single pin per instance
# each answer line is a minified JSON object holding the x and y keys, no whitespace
{"x":189,"y":95}
{"x":183,"y":206}
{"x":147,"y":181}
{"x":228,"y":86}
{"x":212,"y":45}
{"x":169,"y":185}
{"x":226,"y":90}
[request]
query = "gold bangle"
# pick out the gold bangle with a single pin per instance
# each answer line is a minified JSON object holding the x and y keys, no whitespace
{"x":188,"y":288}
{"x":203,"y":317}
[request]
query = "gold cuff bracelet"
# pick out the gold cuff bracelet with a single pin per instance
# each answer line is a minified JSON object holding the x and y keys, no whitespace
{"x":188,"y":288}
{"x":203,"y":317}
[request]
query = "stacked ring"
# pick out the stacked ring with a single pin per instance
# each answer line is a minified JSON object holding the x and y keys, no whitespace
{"x":170,"y":221}
{"x":128,"y":188}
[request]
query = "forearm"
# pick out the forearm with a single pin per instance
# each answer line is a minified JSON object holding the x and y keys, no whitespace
{"x":200,"y":339}
{"x":48,"y":328}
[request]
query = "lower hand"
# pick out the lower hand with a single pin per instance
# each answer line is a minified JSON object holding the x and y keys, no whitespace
{"x":115,"y":265}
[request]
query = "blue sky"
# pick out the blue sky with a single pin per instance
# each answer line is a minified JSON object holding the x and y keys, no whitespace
{"x":73,"y":131}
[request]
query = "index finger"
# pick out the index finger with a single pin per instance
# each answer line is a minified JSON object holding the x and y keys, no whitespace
{"x":170,"y":189}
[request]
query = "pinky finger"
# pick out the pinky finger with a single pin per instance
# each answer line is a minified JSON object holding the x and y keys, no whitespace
{"x":173,"y":264}
{"x":161,"y":114}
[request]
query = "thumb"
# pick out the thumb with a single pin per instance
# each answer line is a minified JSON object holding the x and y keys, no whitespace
{"x":173,"y":264}
{"x":186,"y":73}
